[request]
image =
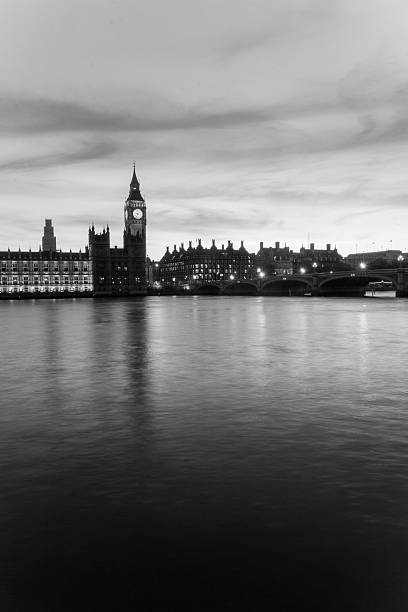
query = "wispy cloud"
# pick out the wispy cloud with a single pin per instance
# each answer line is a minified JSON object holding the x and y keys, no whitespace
{"x":39,"y":115}
{"x":87,"y":150}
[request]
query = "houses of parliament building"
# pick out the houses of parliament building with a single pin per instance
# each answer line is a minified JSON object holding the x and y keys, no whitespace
{"x":99,"y":270}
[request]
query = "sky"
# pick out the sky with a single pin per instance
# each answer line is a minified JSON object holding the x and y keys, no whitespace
{"x":255,"y":120}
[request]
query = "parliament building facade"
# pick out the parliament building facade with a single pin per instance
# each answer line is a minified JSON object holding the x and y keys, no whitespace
{"x":99,"y":270}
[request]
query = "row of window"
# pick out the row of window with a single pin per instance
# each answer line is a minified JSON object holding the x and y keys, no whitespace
{"x":43,"y":289}
{"x":202,"y":267}
{"x":212,"y":276}
{"x":15,"y":266}
{"x":45,"y":281}
{"x":214,"y":261}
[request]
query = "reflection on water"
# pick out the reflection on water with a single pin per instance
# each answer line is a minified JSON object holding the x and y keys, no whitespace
{"x":251,"y":449}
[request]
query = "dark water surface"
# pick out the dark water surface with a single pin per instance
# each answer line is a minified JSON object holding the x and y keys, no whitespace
{"x":204,"y":453}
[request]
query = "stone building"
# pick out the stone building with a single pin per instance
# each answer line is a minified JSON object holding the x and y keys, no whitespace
{"x":47,"y":271}
{"x":121,"y":271}
{"x":383,"y":258}
{"x":320,"y":260}
{"x":182,"y":267}
{"x":274,"y":260}
{"x":49,"y":241}
{"x":99,"y":270}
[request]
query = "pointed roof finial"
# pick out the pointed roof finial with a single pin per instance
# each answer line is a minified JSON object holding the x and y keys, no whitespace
{"x":134,"y":191}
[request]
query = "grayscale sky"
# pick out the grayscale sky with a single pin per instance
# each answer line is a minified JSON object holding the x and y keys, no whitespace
{"x":255,"y":120}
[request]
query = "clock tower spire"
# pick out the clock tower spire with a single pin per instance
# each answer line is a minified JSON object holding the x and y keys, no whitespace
{"x":134,"y":191}
{"x":134,"y":236}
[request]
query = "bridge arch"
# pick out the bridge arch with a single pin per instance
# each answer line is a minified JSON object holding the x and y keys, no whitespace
{"x":354,"y":284}
{"x":240,"y":288}
{"x":208,"y":289}
{"x":367,"y":278}
{"x":290,"y":286}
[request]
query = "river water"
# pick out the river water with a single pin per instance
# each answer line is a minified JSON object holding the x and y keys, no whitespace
{"x":215,"y":453}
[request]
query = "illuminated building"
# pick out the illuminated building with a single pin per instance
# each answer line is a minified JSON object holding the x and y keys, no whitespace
{"x":122,"y":271}
{"x":274,"y":260}
{"x":46,"y":271}
{"x":182,"y":267}
{"x":98,"y":270}
{"x":320,"y":260}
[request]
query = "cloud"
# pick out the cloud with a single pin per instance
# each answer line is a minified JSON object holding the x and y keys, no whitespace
{"x":245,"y":42}
{"x":245,"y":130}
{"x":203,"y":218}
{"x":36,"y":115}
{"x":85,"y":150}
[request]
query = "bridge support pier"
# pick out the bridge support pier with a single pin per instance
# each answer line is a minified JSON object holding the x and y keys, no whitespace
{"x":402,"y":284}
{"x":315,"y":291}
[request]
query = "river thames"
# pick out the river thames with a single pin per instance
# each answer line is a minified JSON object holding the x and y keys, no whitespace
{"x":215,"y":453}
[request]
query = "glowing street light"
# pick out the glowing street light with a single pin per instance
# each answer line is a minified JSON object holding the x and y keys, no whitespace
{"x":400,"y":260}
{"x":363,"y":265}
{"x":314,"y":265}
{"x":232,"y":277}
{"x":262,"y":274}
{"x":258,"y":270}
{"x":302,"y":270}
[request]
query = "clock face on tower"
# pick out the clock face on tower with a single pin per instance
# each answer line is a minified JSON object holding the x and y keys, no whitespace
{"x":137,"y":213}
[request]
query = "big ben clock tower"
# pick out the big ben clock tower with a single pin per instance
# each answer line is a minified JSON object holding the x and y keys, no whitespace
{"x":134,"y":238}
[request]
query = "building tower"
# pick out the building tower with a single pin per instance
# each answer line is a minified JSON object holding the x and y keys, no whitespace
{"x":134,"y":238}
{"x":49,"y":241}
{"x":100,"y":261}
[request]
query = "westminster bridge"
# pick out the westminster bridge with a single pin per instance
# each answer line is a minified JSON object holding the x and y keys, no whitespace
{"x":345,"y":283}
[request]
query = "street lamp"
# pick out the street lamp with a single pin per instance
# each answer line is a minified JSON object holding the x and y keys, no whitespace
{"x":232,"y":277}
{"x":302,"y":270}
{"x":314,"y":265}
{"x":258,"y":270}
{"x":262,"y":274}
{"x":363,"y":265}
{"x":400,"y":260}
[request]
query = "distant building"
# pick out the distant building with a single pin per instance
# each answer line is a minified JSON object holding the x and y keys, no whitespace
{"x":152,"y":272}
{"x":320,"y":260}
{"x":274,"y":260}
{"x":381,"y":257}
{"x":181,"y":267}
{"x":45,"y":272}
{"x":98,"y":270}
{"x":49,"y":241}
{"x":121,"y":271}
